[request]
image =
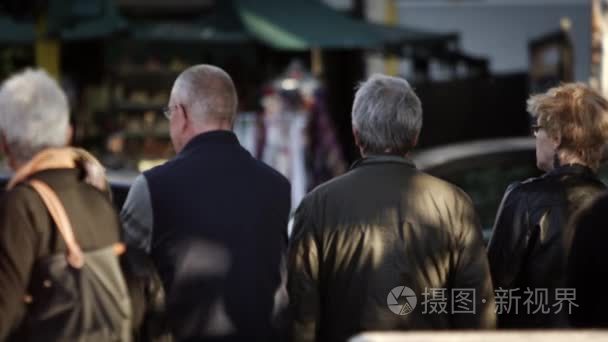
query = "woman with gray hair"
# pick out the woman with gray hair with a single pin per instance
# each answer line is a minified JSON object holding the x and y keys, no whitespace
{"x":532,"y":233}
{"x":56,"y":204}
{"x":33,"y":116}
{"x":59,"y":233}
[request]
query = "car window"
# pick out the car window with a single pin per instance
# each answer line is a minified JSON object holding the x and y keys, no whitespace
{"x":485,"y":180}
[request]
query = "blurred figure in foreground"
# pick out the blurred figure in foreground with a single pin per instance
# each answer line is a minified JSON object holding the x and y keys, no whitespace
{"x":532,"y":235}
{"x":214,"y":220}
{"x":366,"y":244}
{"x":588,"y":266}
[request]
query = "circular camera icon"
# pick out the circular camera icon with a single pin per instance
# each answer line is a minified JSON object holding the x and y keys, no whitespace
{"x":401,"y":300}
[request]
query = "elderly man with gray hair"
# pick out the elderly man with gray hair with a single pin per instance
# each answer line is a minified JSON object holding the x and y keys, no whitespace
{"x":385,"y":246}
{"x":213,"y":219}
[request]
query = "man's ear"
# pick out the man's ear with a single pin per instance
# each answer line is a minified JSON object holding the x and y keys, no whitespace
{"x":358,"y":142}
{"x":415,"y":140}
{"x":4,"y":147}
{"x":69,"y":134}
{"x":356,"y":136}
{"x":184,"y":118}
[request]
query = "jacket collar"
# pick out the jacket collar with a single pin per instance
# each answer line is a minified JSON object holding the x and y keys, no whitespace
{"x":571,"y":169}
{"x":383,"y":159}
{"x":62,"y":158}
{"x":213,"y":137}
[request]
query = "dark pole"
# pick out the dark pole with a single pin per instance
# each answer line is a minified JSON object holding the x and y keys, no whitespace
{"x":342,"y":71}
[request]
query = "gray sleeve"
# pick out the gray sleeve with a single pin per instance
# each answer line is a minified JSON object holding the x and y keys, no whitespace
{"x":136,"y":216}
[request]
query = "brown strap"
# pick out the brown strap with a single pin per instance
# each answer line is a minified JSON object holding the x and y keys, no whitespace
{"x":75,"y":257}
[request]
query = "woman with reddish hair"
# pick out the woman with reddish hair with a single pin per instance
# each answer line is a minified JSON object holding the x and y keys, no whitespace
{"x":532,"y":236}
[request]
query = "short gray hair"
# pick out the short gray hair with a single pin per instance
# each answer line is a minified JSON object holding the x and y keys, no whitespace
{"x":34,"y":113}
{"x":208,"y":91}
{"x":387,"y":115}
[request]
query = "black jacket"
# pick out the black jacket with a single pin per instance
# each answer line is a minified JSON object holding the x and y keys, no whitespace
{"x":214,"y":220}
{"x":588,"y":266}
{"x":531,"y":241}
{"x":359,"y":237}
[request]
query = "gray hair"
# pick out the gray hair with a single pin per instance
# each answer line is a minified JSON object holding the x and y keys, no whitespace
{"x":34,"y":113}
{"x":387,"y":115}
{"x":208,"y":91}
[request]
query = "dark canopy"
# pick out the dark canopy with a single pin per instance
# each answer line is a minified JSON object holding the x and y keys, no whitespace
{"x":14,"y":32}
{"x":67,"y":20}
{"x":286,"y":25}
{"x":222,"y":25}
{"x":305,"y":24}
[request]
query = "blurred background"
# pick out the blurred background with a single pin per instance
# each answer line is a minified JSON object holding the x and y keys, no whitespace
{"x":296,"y":64}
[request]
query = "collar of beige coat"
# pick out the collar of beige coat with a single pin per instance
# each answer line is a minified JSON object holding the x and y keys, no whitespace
{"x":63,"y":158}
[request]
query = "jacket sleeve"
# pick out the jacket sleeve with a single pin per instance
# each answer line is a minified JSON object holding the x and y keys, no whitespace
{"x":508,"y":242}
{"x":145,"y":287}
{"x":303,"y":278}
{"x":137,"y":216}
{"x":149,"y":320}
{"x":587,"y":269}
{"x":472,"y":272}
{"x":18,"y":243}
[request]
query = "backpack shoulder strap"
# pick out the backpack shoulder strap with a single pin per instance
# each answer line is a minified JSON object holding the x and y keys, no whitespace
{"x":75,"y":256}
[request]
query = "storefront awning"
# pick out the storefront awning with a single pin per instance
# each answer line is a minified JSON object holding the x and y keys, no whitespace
{"x":306,"y":24}
{"x":399,"y":35}
{"x":81,"y":20}
{"x":285,"y":25}
{"x":221,"y":26}
{"x":302,"y":25}
{"x":13,"y":32}
{"x":184,"y":31}
{"x":67,"y":20}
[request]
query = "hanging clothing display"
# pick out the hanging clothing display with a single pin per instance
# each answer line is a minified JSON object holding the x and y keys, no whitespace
{"x":245,"y":128}
{"x":294,"y":133}
{"x":285,"y":149}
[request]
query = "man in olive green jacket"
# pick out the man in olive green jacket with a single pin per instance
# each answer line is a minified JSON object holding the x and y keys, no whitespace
{"x":385,"y":246}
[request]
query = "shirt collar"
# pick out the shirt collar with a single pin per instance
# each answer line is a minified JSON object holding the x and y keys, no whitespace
{"x":383,"y":159}
{"x":213,"y":137}
{"x":576,"y":169}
